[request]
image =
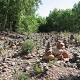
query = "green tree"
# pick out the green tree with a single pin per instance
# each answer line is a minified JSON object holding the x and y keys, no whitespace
{"x":41,"y":23}
{"x":63,"y":20}
{"x":13,"y":12}
{"x":76,"y":11}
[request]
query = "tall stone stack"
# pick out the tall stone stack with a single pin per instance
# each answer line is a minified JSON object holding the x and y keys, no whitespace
{"x":65,"y":43}
{"x":48,"y":53}
{"x":71,"y":39}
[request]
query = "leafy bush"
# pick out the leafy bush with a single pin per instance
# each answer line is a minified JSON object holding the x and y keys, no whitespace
{"x":27,"y":46}
{"x":28,"y":24}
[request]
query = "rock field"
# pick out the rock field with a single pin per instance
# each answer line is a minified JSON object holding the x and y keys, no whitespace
{"x":12,"y":63}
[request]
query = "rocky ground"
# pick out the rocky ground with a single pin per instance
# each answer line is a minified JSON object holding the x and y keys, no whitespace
{"x":12,"y":64}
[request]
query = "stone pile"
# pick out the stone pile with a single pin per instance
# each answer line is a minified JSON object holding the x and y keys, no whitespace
{"x":58,"y":52}
{"x":48,"y":43}
{"x":48,"y":54}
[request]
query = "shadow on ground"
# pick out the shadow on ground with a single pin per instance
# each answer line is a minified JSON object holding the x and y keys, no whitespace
{"x":70,"y":77}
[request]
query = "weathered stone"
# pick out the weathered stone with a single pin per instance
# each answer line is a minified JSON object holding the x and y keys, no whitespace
{"x":65,"y":54}
{"x":60,"y":45}
{"x":48,"y":57}
{"x":14,"y":46}
{"x":13,"y":64}
{"x":60,"y":51}
{"x":60,"y":57}
{"x":71,"y":37}
{"x":2,"y":38}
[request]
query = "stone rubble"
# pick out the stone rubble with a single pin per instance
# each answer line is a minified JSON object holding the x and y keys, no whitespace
{"x":63,"y":56}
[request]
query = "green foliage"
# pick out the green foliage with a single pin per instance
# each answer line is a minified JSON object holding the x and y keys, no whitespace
{"x":23,"y":77}
{"x":19,"y":15}
{"x":27,"y":46}
{"x":37,"y":68}
{"x":28,"y":24}
{"x":15,"y":14}
{"x":59,"y":20}
{"x":27,"y":19}
{"x":63,"y":20}
{"x":41,"y":23}
{"x":9,"y":10}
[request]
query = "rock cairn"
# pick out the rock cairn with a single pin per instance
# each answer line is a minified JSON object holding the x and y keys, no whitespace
{"x":48,"y":53}
{"x":58,"y":52}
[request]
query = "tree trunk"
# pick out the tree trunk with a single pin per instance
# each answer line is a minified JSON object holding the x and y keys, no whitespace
{"x":5,"y":22}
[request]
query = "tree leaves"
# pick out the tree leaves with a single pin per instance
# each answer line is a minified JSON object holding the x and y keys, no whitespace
{"x":12,"y":12}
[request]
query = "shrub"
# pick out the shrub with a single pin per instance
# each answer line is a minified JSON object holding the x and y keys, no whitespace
{"x":27,"y":46}
{"x":37,"y":69}
{"x":23,"y":77}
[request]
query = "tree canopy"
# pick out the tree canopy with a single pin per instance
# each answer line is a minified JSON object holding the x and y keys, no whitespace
{"x":17,"y":13}
{"x":63,"y":20}
{"x":20,"y":15}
